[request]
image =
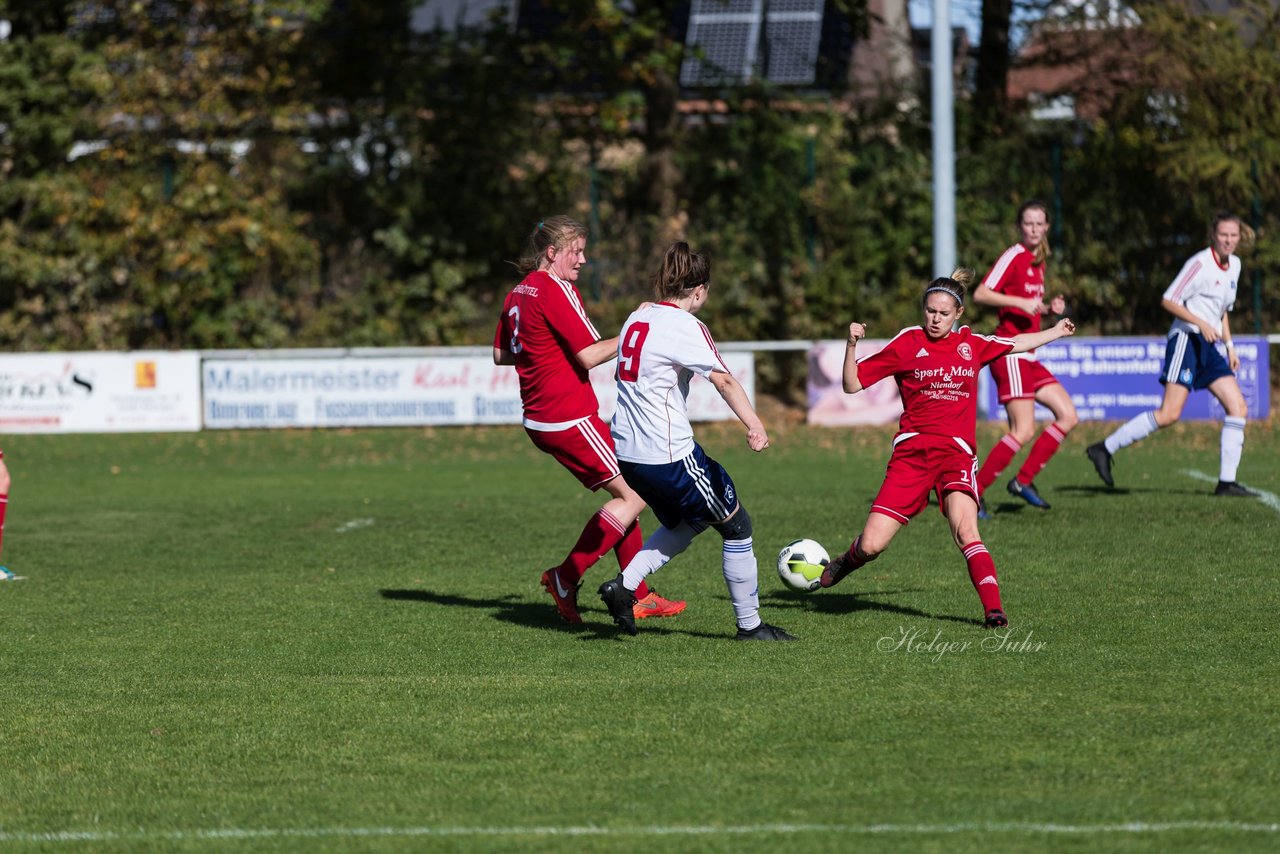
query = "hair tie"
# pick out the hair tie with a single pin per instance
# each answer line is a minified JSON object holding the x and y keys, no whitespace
{"x":538,"y":227}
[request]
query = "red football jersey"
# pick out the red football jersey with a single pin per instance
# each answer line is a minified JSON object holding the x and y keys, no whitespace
{"x":543,"y":323}
{"x":1014,"y":275}
{"x":938,"y":380}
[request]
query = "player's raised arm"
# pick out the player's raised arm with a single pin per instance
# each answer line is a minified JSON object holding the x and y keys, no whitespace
{"x":1031,"y":340}
{"x":849,"y":375}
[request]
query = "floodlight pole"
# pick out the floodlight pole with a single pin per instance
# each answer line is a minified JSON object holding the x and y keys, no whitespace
{"x":944,"y":143}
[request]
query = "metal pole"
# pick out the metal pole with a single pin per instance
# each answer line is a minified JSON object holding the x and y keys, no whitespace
{"x":944,"y":144}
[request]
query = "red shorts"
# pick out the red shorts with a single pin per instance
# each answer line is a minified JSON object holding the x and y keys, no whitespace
{"x":1019,"y":379}
{"x":585,"y":448}
{"x":920,"y":464}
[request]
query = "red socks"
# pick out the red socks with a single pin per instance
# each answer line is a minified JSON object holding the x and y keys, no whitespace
{"x":627,"y":548}
{"x":1044,"y":448}
{"x":1004,"y":451}
{"x":602,"y":533}
{"x":982,"y":572}
{"x":1007,"y":448}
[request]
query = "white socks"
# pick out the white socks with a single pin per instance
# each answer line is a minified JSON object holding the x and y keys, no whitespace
{"x":662,"y":545}
{"x":1231,"y":448}
{"x":1141,"y":426}
{"x":739,"y":568}
{"x":743,"y":582}
{"x":1135,"y":429}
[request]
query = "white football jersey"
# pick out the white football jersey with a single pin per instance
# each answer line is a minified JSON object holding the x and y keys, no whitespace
{"x":660,"y":348}
{"x":1206,"y":289}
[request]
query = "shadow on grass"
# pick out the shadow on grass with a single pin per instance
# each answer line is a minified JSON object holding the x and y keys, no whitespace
{"x":1119,"y":491}
{"x":1099,"y":489}
{"x":1006,"y":508}
{"x":536,"y":615}
{"x":851,"y":603}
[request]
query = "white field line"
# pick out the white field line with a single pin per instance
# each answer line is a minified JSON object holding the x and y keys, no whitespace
{"x":353,"y":525}
{"x":1006,"y":828}
{"x":1268,"y":498}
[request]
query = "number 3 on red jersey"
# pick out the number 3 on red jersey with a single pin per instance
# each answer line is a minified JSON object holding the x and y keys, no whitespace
{"x":514,"y":314}
{"x":629,"y":352}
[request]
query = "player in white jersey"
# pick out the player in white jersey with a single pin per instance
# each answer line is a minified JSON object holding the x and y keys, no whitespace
{"x":661,"y":347}
{"x":1199,"y":300}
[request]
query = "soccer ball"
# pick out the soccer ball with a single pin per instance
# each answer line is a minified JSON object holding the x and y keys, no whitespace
{"x":800,"y":565}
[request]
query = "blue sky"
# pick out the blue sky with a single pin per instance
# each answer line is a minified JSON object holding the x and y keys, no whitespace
{"x":967,"y":13}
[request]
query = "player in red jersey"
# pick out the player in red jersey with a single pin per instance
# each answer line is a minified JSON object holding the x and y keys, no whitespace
{"x":5,"y":573}
{"x":936,"y":370}
{"x":1015,"y":286}
{"x":545,"y":332}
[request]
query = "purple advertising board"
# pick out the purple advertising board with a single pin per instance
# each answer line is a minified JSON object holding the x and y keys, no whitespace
{"x":1113,"y":379}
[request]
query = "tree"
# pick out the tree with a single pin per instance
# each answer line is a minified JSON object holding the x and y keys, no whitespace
{"x":171,"y":228}
{"x":991,"y":79}
{"x":1210,"y":95}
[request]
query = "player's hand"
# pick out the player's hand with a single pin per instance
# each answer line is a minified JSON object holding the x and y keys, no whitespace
{"x":1233,"y":361}
{"x":1209,"y":333}
{"x":757,"y":440}
{"x":1067,"y":326}
{"x":856,"y":331}
{"x":1033,"y":305}
{"x":1058,"y":305}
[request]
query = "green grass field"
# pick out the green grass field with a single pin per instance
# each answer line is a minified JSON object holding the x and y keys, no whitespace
{"x":337,"y":640}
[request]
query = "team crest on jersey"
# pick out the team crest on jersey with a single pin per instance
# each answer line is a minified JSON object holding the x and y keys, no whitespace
{"x":965,"y":351}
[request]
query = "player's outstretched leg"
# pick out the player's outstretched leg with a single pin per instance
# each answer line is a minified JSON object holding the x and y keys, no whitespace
{"x":843,"y":564}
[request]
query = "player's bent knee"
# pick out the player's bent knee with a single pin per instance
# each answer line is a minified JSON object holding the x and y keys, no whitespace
{"x":870,"y":548}
{"x":736,"y":527}
{"x":1021,"y":436}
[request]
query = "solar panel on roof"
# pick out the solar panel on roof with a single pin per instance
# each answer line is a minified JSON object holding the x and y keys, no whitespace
{"x":725,"y":46}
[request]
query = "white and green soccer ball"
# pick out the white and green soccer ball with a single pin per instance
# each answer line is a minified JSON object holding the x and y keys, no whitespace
{"x":800,"y":565}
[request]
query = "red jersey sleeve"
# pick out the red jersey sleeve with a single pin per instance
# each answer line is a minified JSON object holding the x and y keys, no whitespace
{"x":991,"y":347}
{"x":883,"y":364}
{"x":1002,"y":272}
{"x":566,"y":316}
{"x":502,"y":334}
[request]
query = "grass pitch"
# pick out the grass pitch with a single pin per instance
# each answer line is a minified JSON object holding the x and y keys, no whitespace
{"x":337,"y":640}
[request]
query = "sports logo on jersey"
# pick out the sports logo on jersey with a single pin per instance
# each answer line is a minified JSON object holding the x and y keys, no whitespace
{"x":965,"y":351}
{"x":922,"y":354}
